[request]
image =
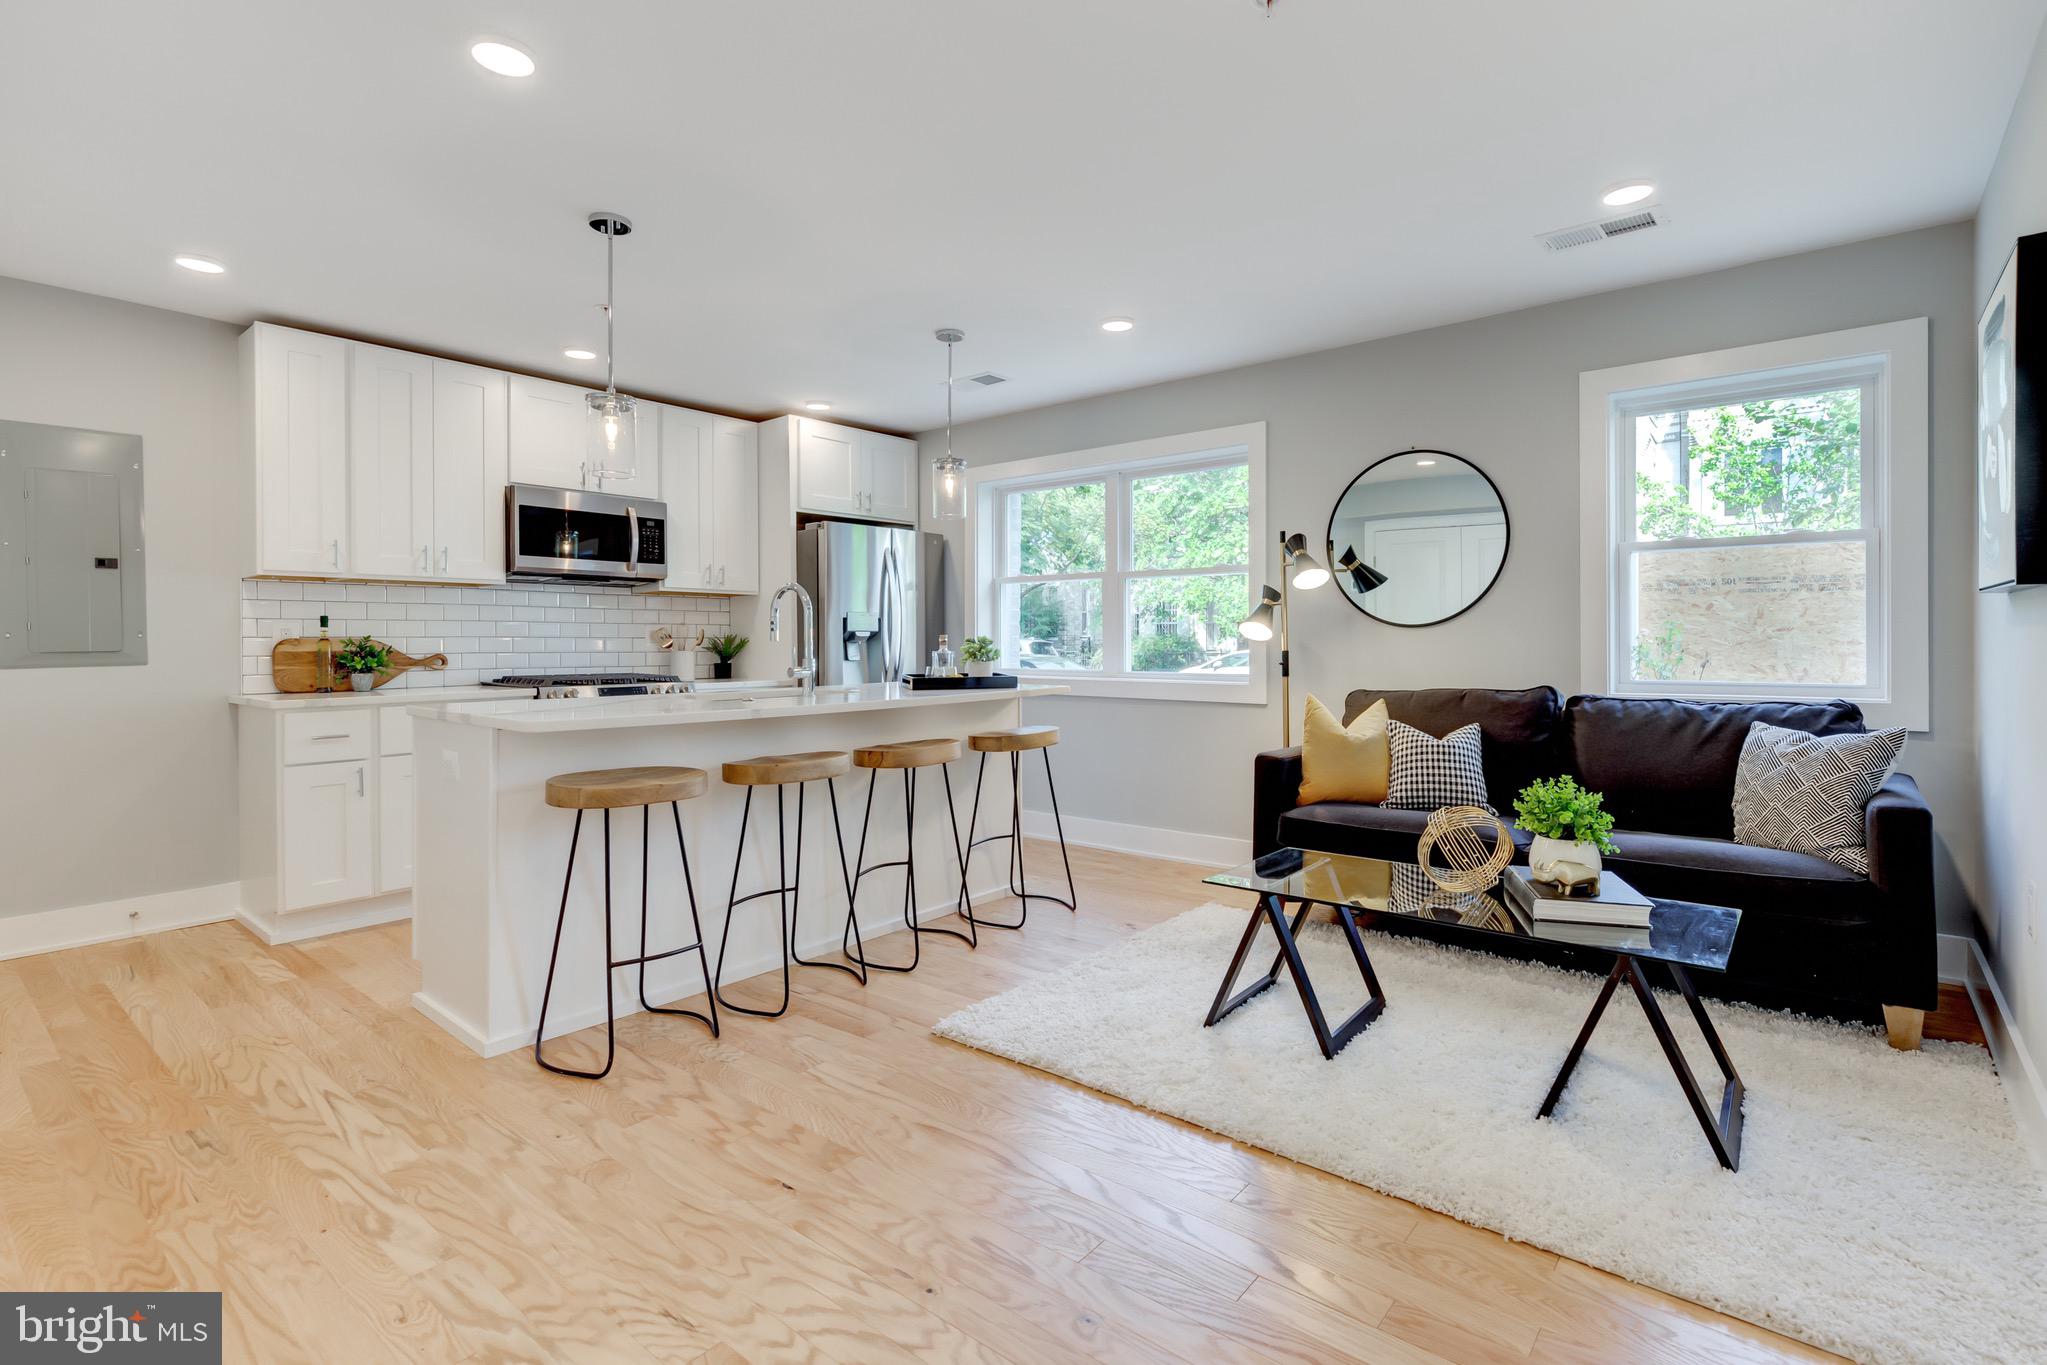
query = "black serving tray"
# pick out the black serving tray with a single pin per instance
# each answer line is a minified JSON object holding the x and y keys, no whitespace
{"x":918,"y":682}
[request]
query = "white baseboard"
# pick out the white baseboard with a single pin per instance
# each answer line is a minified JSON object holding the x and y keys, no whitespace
{"x":885,"y":924}
{"x":75,"y":926}
{"x":2022,"y":1083}
{"x":1214,"y":850}
{"x":1952,"y":954}
{"x":275,"y":928}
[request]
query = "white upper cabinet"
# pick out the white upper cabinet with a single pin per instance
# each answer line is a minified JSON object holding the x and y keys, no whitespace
{"x":733,"y":504}
{"x":298,"y":430}
{"x":390,"y":462}
{"x":844,"y":472}
{"x":469,"y":471}
{"x":827,"y":469}
{"x":547,"y":432}
{"x":685,"y":448}
{"x":710,"y":477}
{"x":889,"y":466}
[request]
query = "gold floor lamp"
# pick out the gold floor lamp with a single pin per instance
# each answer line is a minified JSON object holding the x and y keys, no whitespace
{"x":1298,"y":569}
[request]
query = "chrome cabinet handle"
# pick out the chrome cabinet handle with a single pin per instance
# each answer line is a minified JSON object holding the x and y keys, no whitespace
{"x":334,"y":552}
{"x":358,"y":783}
{"x":426,"y":558}
{"x":444,"y":559}
{"x":707,"y":575}
{"x":721,"y":575}
{"x":321,"y":739}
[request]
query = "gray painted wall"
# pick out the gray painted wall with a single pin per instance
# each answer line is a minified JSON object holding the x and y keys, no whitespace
{"x":2011,"y":632}
{"x":1503,"y":392}
{"x":121,"y":781}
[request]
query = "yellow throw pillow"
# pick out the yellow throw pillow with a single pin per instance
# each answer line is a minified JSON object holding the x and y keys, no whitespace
{"x":1344,"y":763}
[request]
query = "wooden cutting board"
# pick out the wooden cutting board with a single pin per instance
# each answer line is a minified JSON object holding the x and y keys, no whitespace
{"x":295,"y":665}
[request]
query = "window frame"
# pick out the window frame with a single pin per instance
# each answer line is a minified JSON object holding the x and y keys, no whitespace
{"x":1117,"y":467}
{"x":1889,"y":363}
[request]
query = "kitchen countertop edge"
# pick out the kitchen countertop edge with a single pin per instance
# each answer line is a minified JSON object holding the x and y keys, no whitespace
{"x":560,"y":717}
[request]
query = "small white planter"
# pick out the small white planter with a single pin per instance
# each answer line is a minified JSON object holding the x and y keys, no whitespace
{"x":362,"y":682}
{"x":1563,"y":862}
{"x":984,"y":668}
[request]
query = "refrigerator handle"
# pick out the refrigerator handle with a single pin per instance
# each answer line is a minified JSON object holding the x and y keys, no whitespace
{"x":891,"y":617}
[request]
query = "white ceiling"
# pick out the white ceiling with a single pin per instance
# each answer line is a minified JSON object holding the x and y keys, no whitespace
{"x":818,"y":184}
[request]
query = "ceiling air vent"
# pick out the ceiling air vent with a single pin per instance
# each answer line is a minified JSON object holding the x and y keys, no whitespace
{"x":986,"y":379}
{"x":1584,"y":234}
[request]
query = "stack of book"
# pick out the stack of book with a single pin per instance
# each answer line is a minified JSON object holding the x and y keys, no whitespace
{"x":1615,"y":903}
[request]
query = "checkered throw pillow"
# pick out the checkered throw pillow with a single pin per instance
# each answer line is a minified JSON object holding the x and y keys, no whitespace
{"x":1805,"y":793}
{"x":1430,"y":773}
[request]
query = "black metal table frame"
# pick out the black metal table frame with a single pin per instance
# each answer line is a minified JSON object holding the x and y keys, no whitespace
{"x":1723,"y":1130}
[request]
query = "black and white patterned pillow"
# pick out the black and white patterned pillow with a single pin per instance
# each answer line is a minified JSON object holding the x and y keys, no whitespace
{"x":1430,"y":773}
{"x":1805,"y":793}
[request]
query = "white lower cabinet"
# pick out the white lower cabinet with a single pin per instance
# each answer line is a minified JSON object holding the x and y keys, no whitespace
{"x":327,"y":855}
{"x":326,"y":821}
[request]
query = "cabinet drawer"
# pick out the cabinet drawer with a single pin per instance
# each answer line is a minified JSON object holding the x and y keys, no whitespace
{"x":322,"y":737}
{"x":394,"y":730}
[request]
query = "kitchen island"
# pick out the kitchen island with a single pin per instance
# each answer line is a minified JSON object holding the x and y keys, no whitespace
{"x":491,"y":853}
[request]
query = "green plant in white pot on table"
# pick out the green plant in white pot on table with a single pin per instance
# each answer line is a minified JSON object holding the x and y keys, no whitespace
{"x":362,"y":659}
{"x":979,"y":655}
{"x":1570,"y":826}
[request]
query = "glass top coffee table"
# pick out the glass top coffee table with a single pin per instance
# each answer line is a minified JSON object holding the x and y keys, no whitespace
{"x":1681,"y":936}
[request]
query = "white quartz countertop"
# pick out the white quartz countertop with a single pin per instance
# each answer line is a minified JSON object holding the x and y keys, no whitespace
{"x":551,"y":717}
{"x":383,"y":696}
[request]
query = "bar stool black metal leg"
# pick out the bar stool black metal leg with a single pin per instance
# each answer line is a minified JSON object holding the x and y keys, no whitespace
{"x":910,"y":865}
{"x":966,"y":900}
{"x":734,"y":900}
{"x":861,"y":869}
{"x":857,"y":972}
{"x":1072,"y":901}
{"x":1013,"y":867}
{"x":610,"y":1028}
{"x":697,"y":947}
{"x":959,"y":855}
{"x":852,"y":928}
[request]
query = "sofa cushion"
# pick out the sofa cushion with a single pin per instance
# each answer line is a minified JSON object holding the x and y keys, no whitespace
{"x":1518,"y":729}
{"x":1343,"y":762}
{"x":1808,"y":792}
{"x":1669,"y":765}
{"x":1430,"y":773}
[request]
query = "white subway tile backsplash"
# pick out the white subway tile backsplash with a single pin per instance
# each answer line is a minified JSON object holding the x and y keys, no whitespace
{"x":484,"y":631}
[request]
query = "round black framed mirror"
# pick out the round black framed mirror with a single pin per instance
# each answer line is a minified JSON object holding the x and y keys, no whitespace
{"x":1418,"y":538}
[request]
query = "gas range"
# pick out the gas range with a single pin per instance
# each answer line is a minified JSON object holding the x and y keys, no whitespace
{"x":583,"y":686}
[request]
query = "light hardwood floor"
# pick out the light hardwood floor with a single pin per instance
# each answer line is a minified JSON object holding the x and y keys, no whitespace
{"x":195,"y":1110}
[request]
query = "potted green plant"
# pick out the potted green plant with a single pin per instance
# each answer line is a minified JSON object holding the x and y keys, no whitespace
{"x":1570,"y":826}
{"x":727,"y":648}
{"x":362,"y":659}
{"x":979,"y":655}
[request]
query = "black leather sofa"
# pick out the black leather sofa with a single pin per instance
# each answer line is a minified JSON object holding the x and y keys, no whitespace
{"x":1814,"y":936}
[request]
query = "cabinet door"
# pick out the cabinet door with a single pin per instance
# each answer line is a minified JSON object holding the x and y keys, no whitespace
{"x":888,"y":465}
{"x":469,"y":471}
{"x":827,"y":478}
{"x":390,"y":462}
{"x":327,"y":852}
{"x":394,"y":823}
{"x":301,"y":439}
{"x":733,"y":505}
{"x":547,"y":432}
{"x":685,"y":444}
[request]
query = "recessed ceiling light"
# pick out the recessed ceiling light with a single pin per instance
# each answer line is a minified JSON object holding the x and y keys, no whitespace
{"x":1626,"y":193}
{"x":1424,"y":462}
{"x":816,"y":406}
{"x":1117,"y":325}
{"x":578,"y":353}
{"x":203,"y":264}
{"x":494,"y":54}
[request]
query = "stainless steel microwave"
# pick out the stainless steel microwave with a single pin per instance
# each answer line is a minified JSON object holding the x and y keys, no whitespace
{"x":568,"y":535}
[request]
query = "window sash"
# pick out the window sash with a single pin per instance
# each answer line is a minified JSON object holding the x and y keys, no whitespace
{"x":1115,"y":577}
{"x":1871,"y":377}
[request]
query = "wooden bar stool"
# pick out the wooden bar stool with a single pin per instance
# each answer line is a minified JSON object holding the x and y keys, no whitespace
{"x":781,"y":771}
{"x":609,"y":789}
{"x":909,"y":755}
{"x":1016,"y":742}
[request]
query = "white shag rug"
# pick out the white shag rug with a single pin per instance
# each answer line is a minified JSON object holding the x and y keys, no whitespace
{"x":1884,"y":1209}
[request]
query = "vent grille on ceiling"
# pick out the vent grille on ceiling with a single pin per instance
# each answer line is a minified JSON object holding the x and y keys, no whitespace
{"x":1584,"y":234}
{"x":986,"y":379}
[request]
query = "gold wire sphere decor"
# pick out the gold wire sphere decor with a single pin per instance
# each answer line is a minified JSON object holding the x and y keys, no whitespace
{"x":1460,"y":832}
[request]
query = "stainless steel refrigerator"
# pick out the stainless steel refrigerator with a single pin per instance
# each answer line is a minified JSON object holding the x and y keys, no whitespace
{"x":880,"y":594}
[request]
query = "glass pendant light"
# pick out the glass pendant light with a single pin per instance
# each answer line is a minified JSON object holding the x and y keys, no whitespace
{"x":949,"y":471}
{"x":612,"y":447}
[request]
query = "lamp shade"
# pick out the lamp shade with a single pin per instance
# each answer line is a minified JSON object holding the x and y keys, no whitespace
{"x":948,"y":488}
{"x":612,"y":448}
{"x":1258,"y":625}
{"x":1362,"y":575}
{"x":1303,"y":569}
